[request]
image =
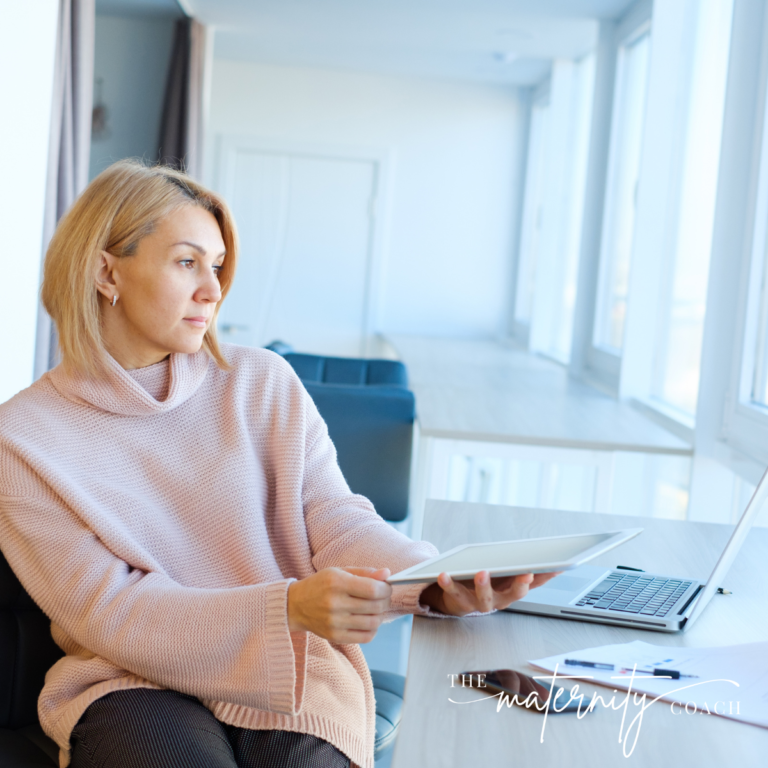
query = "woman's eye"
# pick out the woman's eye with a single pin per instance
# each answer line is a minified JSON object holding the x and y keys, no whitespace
{"x":187,"y":262}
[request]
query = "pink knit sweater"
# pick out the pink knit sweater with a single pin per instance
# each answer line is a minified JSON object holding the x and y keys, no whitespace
{"x":158,"y":517}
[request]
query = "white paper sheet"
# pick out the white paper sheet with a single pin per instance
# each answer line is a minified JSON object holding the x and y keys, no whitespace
{"x":730,"y":681}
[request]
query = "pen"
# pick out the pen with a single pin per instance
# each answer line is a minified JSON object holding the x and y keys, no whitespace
{"x":590,"y":664}
{"x":672,"y":674}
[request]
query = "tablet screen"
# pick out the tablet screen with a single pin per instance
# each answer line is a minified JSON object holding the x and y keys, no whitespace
{"x":514,"y":553}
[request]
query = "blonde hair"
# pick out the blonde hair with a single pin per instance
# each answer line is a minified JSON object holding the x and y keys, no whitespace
{"x":120,"y":206}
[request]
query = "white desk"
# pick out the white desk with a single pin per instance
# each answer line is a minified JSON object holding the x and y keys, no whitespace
{"x":436,"y":733}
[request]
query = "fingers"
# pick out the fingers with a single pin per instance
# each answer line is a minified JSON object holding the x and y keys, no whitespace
{"x":347,"y":637}
{"x":483,"y":592}
{"x":365,"y":622}
{"x":340,"y":605}
{"x":517,"y":590}
{"x":500,"y":583}
{"x":451,"y":589}
{"x":343,"y":592}
{"x":343,"y":627}
{"x":363,"y":607}
{"x":543,"y":578}
{"x":492,"y":593}
{"x":365,"y":583}
{"x":459,"y":599}
{"x":382,"y":574}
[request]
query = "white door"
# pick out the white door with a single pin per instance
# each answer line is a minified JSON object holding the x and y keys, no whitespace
{"x":306,"y":236}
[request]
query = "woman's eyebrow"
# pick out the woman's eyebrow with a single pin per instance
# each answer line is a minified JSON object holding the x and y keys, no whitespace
{"x":198,"y":248}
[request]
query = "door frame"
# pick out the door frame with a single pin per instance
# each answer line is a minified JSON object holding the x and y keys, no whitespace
{"x":382,"y":159}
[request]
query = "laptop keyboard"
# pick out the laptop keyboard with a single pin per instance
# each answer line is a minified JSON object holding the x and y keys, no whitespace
{"x":640,"y":594}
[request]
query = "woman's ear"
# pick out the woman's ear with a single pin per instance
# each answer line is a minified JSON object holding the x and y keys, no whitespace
{"x":104,"y":278}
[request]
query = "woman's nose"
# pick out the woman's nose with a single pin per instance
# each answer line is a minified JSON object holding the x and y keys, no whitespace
{"x":210,"y":290}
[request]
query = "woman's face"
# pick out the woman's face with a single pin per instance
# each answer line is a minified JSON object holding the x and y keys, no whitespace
{"x":167,"y":291}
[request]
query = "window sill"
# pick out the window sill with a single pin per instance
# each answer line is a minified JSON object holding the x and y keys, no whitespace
{"x":677,"y":422}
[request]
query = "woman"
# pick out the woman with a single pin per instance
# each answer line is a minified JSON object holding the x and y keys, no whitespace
{"x":176,"y":509}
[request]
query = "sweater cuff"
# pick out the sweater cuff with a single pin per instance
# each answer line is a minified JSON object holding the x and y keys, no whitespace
{"x":286,"y":653}
{"x":408,"y":601}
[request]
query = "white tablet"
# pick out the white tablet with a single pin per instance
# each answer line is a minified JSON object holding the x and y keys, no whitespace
{"x":509,"y":558}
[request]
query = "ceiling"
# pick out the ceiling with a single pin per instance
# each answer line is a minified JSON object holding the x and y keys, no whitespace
{"x":510,"y":42}
{"x":493,"y":41}
{"x":139,"y":8}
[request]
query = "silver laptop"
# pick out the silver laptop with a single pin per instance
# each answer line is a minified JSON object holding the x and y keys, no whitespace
{"x":636,"y":598}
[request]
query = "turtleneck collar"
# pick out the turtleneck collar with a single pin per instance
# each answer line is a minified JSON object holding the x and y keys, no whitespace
{"x":116,"y":391}
{"x":154,"y":378}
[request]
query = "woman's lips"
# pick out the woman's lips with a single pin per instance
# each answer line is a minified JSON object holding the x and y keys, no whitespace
{"x":198,"y":322}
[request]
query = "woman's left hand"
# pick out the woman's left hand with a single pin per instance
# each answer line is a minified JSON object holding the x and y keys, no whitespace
{"x":458,"y":598}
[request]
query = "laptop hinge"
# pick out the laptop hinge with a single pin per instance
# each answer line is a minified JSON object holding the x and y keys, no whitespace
{"x":690,"y":600}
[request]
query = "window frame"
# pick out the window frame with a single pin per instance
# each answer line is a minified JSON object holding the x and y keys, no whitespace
{"x":564,"y":175}
{"x":658,"y":379}
{"x":539,"y":102}
{"x":729,"y":433}
{"x":745,"y":422}
{"x":598,"y":366}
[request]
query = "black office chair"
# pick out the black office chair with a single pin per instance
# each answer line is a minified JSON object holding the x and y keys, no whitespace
{"x":27,"y":652}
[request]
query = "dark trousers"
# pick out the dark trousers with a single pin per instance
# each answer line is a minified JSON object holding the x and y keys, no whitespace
{"x":148,"y":728}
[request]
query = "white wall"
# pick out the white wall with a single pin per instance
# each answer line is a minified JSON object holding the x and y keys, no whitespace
{"x":27,"y":45}
{"x":454,"y":188}
{"x":131,"y":58}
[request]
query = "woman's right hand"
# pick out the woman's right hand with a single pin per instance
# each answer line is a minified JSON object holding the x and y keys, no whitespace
{"x":343,"y":605}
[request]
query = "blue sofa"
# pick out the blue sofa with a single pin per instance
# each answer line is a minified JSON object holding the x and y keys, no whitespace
{"x":370,"y":412}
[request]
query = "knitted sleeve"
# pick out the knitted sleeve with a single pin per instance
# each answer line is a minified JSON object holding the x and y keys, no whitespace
{"x":229,"y":645}
{"x":344,"y":529}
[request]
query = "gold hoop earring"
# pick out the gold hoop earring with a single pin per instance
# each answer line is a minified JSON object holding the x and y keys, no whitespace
{"x":114,"y":301}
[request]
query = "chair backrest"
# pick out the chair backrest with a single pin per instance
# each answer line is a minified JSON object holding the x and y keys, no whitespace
{"x":27,"y":651}
{"x":280,"y":347}
{"x":369,"y":412}
{"x":372,"y":429}
{"x":348,"y":370}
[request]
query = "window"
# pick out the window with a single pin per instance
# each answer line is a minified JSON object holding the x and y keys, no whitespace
{"x":758,"y":394}
{"x":621,"y":192}
{"x":567,"y":251}
{"x":532,"y":211}
{"x":684,"y":291}
{"x":659,"y":210}
{"x":747,"y":422}
{"x":553,"y":208}
{"x":754,"y":376}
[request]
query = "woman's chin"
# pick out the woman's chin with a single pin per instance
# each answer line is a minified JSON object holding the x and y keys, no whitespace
{"x":189,"y":344}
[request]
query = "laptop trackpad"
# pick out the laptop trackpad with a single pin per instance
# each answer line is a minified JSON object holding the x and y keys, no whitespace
{"x":562,"y":589}
{"x":569,"y":583}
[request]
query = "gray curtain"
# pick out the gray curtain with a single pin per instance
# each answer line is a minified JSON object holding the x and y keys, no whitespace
{"x":200,"y":71}
{"x":174,"y":132}
{"x":185,"y":103}
{"x":70,"y":139}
